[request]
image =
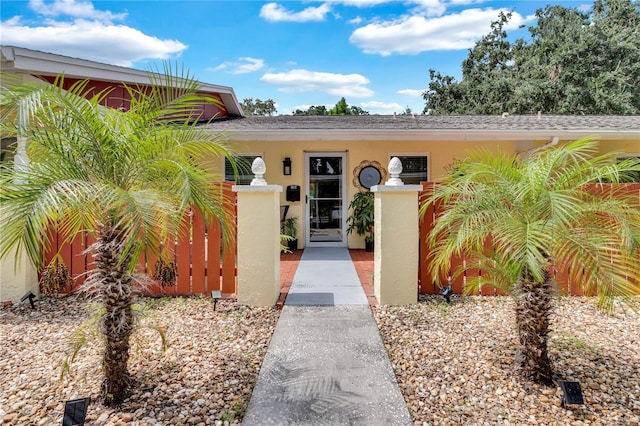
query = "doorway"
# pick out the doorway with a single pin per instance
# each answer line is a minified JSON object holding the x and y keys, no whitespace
{"x":325,"y":210}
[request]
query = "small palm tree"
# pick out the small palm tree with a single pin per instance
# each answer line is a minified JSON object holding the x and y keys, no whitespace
{"x":538,"y":215}
{"x":126,"y":177}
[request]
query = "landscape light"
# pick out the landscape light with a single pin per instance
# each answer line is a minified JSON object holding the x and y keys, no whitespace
{"x":215,"y":295}
{"x":571,"y":393}
{"x":29,"y":296}
{"x":75,"y":412}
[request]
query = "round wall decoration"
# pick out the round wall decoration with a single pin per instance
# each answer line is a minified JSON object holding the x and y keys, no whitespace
{"x":368,"y":174}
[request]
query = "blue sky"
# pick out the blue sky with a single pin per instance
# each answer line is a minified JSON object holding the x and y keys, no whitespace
{"x":375,"y":53}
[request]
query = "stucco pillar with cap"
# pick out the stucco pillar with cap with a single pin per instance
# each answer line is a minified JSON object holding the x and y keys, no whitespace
{"x":18,"y":276}
{"x":258,"y":239}
{"x":396,"y":239}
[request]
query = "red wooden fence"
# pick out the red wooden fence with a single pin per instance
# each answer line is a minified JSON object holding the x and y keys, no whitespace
{"x":426,"y":285}
{"x":203,"y":263}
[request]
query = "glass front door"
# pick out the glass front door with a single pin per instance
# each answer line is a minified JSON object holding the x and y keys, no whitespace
{"x":325,"y":210}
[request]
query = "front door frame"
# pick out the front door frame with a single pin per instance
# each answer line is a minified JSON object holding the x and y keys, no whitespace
{"x":343,"y":191}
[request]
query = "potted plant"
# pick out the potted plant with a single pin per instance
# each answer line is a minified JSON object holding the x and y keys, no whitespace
{"x":290,"y":230}
{"x":360,"y":219}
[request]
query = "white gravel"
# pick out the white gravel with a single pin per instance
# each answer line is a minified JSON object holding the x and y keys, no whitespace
{"x":454,"y":363}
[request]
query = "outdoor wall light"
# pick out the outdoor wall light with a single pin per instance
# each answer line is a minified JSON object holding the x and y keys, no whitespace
{"x":286,"y":166}
{"x":215,"y":295}
{"x":571,"y":393}
{"x":75,"y":412}
{"x":29,"y":296}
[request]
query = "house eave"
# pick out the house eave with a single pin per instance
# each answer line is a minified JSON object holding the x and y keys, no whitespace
{"x":20,"y":60}
{"x":424,"y":135}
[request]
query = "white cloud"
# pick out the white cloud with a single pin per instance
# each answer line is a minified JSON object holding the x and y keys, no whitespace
{"x":355,"y":21}
{"x":73,"y":8}
{"x":75,"y":27}
{"x":119,"y":44}
{"x":377,"y":107}
{"x":416,"y":93}
{"x":274,"y":12}
{"x":430,"y":7}
{"x":416,"y":34}
{"x":242,"y":66}
{"x":305,"y":107}
{"x":360,"y":3}
{"x":299,"y":80}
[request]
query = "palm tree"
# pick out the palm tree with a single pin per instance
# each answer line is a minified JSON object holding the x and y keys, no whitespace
{"x":538,"y":215}
{"x":126,"y":177}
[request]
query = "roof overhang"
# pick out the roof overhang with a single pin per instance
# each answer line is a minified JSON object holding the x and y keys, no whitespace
{"x":423,"y":135}
{"x":20,"y":60}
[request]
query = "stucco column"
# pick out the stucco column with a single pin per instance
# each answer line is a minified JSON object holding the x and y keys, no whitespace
{"x":396,"y":240}
{"x":258,"y":241}
{"x":18,"y":276}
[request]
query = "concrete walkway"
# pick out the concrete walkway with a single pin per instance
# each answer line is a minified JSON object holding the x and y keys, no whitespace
{"x":326,"y":364}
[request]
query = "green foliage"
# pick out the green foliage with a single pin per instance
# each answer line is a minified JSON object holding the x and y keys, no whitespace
{"x":89,"y":331}
{"x":573,"y":63}
{"x":258,"y":107}
{"x":125,"y":177}
{"x":288,"y":234}
{"x":340,"y":108}
{"x":537,"y":213}
{"x":290,"y":227}
{"x":361,"y":218}
{"x":313,"y":110}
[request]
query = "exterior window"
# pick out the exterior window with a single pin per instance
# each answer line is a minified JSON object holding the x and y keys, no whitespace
{"x":414,"y":168}
{"x":635,"y":177}
{"x":245,"y":175}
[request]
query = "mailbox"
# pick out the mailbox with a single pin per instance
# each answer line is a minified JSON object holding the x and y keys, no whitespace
{"x":293,"y":193}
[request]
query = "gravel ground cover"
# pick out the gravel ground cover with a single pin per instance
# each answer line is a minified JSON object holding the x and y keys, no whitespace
{"x":205,"y":377}
{"x":455,"y":363}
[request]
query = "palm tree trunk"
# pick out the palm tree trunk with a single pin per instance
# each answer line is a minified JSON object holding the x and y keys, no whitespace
{"x":115,"y":290}
{"x":534,"y":304}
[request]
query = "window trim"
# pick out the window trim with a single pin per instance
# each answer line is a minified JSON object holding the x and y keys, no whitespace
{"x":243,"y":154}
{"x":415,"y":154}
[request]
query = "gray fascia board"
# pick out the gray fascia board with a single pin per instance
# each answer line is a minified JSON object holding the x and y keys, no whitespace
{"x":422,"y":135}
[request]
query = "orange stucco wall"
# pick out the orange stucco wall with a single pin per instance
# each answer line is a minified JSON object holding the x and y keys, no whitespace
{"x":440,"y":154}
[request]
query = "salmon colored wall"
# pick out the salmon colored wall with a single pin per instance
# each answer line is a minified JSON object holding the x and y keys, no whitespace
{"x":119,"y":98}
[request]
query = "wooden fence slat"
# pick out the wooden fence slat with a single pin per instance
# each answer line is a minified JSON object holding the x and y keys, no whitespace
{"x":153,"y":286}
{"x":183,"y":256}
{"x":213,"y":256}
{"x":198,"y":263}
{"x":229,"y":253}
{"x":78,"y":265}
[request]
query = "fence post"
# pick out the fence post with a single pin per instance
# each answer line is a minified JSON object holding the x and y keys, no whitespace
{"x":258,"y":240}
{"x":396,"y":239}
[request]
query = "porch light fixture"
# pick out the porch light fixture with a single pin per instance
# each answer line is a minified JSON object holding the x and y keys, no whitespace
{"x":75,"y":411}
{"x":215,"y":295}
{"x":571,"y":393}
{"x":286,"y":166}
{"x":29,"y":296}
